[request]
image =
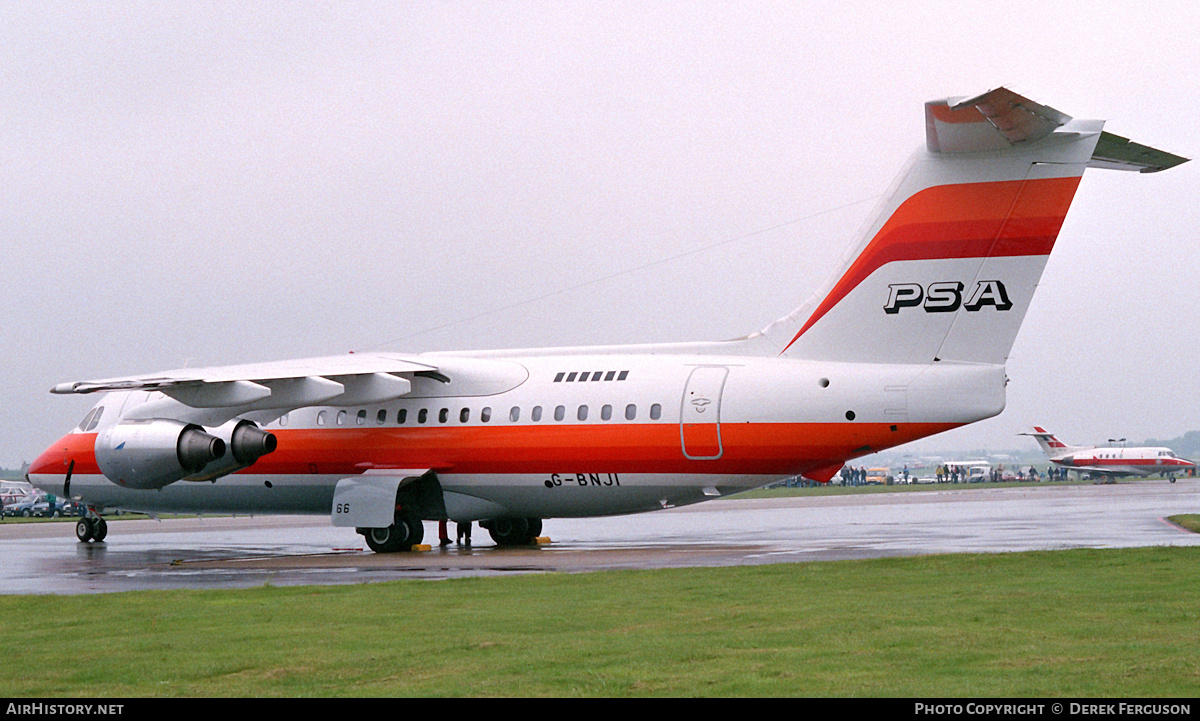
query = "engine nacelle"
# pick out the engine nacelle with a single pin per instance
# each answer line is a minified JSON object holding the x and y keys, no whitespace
{"x":154,"y":453}
{"x":246,"y":443}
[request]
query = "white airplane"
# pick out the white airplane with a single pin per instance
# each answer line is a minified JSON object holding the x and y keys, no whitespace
{"x":908,"y":338}
{"x":1110,"y":461}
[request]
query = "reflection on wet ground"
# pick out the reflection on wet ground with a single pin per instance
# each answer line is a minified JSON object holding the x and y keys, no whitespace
{"x":243,"y":552}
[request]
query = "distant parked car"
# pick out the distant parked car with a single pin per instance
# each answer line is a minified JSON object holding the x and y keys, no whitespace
{"x":23,"y":507}
{"x":46,"y":509}
{"x":41,"y":507}
{"x":73,"y":508}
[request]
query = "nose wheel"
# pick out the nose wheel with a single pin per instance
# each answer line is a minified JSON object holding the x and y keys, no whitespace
{"x":91,"y":528}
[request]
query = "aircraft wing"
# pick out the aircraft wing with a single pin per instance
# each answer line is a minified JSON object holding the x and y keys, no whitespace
{"x":343,"y":380}
{"x":1111,"y":470}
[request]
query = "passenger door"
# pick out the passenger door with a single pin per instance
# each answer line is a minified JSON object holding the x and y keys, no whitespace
{"x":700,"y":413}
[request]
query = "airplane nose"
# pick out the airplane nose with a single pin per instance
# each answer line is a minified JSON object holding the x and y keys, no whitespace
{"x":54,"y":462}
{"x":51,"y":460}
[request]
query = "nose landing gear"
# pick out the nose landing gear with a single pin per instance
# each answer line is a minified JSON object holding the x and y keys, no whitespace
{"x":91,"y":528}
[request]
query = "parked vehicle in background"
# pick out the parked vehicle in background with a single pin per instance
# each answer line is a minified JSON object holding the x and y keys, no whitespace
{"x":40,"y":505}
{"x":13,"y":491}
{"x":23,"y":507}
{"x":878,"y":476}
{"x":74,"y":508}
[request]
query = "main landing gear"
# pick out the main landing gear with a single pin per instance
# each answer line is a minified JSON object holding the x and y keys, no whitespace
{"x":510,"y":531}
{"x":406,"y":532}
{"x":91,"y":528}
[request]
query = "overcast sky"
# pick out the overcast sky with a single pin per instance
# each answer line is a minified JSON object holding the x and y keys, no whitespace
{"x":205,"y":183}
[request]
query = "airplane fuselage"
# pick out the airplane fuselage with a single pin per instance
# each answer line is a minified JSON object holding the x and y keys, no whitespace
{"x":907,"y":338}
{"x":1125,"y":461}
{"x":568,"y":435}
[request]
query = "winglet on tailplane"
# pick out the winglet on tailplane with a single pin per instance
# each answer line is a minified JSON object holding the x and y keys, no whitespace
{"x":946,"y":269}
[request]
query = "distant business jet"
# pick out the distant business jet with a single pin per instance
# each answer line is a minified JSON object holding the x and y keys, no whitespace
{"x":907,"y":339}
{"x":1109,"y":461}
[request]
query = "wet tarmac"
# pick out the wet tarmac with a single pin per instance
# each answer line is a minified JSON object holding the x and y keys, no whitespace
{"x":208,"y":553}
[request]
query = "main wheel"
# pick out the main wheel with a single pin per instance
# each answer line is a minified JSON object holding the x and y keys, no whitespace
{"x":99,"y":529}
{"x":402,"y":535}
{"x":83,"y":530}
{"x":535,"y":528}
{"x":514,"y":531}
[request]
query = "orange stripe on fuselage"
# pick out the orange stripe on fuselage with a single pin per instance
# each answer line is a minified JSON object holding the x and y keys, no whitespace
{"x":748,"y":449}
{"x":760,"y":448}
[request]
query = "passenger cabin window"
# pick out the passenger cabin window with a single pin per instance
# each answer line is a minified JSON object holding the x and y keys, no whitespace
{"x":485,"y":415}
{"x":536,"y":413}
{"x":560,"y":412}
{"x":655,"y":412}
{"x":443,"y":415}
{"x":401,"y":415}
{"x":464,"y":415}
{"x":514,"y":414}
{"x":381,"y":417}
{"x":630,"y":412}
{"x":581,"y":414}
{"x":606,"y":413}
{"x":341,"y":418}
{"x":361,"y":416}
{"x":321,"y":418}
{"x":422,"y":415}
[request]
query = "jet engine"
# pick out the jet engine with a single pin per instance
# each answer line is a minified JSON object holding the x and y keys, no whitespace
{"x":246,"y":443}
{"x":154,"y":453}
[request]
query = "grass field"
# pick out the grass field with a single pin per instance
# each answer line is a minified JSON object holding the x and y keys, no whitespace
{"x":1085,"y":623}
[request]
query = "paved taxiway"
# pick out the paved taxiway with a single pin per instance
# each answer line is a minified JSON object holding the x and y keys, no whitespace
{"x":241,"y":552}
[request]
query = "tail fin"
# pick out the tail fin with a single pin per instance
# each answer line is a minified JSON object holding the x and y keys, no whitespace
{"x":1051,"y":446}
{"x":946,"y":270}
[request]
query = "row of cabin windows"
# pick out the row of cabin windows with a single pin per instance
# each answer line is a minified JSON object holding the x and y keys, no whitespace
{"x":485,"y":415}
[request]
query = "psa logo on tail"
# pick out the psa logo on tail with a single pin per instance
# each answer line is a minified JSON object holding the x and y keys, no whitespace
{"x":946,"y":296}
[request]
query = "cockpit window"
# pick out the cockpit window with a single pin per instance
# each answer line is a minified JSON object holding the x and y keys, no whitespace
{"x":92,"y":419}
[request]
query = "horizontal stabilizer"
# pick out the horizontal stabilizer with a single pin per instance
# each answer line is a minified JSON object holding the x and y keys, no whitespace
{"x":1116,"y":153}
{"x":993,"y":121}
